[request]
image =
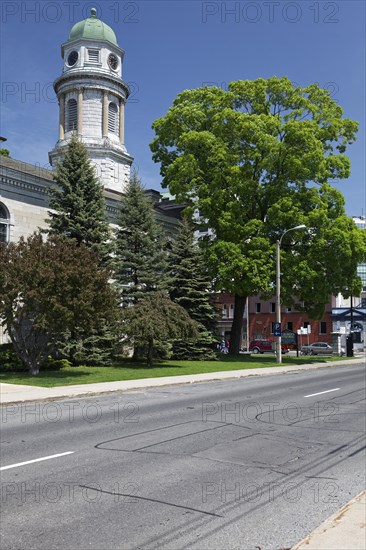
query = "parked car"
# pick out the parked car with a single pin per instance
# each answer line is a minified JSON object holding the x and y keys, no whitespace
{"x":317,"y":348}
{"x":265,"y":346}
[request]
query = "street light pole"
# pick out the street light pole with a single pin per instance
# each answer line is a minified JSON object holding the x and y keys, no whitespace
{"x":278,"y":290}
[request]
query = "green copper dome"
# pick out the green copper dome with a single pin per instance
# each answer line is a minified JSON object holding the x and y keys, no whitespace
{"x":92,"y":28}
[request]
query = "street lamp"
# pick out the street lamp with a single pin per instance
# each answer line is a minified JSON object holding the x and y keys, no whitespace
{"x":278,"y":291}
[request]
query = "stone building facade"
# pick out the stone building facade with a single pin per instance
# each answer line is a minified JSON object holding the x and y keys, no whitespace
{"x":92,"y":97}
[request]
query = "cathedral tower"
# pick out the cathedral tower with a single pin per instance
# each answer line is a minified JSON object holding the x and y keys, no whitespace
{"x":92,"y":98}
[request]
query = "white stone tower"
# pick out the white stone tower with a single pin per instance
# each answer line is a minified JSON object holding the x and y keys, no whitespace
{"x":92,"y":97}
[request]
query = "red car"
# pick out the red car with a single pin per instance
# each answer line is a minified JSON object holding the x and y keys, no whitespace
{"x":265,"y":346}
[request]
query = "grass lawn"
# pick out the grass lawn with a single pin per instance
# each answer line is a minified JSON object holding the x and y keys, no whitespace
{"x":132,"y":371}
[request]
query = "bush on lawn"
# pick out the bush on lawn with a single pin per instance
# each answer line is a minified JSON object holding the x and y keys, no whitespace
{"x":9,"y":361}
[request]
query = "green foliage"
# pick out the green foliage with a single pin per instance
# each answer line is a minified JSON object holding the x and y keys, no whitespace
{"x":5,"y":153}
{"x":94,"y":348}
{"x":254,"y":161}
{"x":9,"y":361}
{"x":49,"y":289}
{"x":140,"y":260}
{"x":190,"y":286}
{"x":52,"y":364}
{"x":78,"y":202}
{"x":155,"y":319}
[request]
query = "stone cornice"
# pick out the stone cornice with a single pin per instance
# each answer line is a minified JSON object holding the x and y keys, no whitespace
{"x":83,"y":79}
{"x":97,"y":150}
{"x":28,"y":186}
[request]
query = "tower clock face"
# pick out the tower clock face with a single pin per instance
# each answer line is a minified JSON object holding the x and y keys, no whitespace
{"x":113,"y":61}
{"x":72,"y":58}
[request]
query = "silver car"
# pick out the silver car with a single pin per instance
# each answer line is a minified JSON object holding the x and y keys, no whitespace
{"x":317,"y":348}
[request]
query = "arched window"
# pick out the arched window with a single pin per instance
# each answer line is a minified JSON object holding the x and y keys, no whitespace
{"x":4,"y":224}
{"x":72,"y":115}
{"x":113,"y":118}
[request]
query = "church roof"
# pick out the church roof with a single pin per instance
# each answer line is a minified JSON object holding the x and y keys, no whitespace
{"x":92,"y":28}
{"x":25,"y":168}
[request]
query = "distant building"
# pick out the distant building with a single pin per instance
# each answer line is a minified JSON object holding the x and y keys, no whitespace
{"x":260,"y":316}
{"x":338,"y":317}
{"x":349,"y":314}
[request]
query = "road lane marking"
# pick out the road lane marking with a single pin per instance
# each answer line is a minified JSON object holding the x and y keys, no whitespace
{"x":321,"y":392}
{"x":35,"y":460}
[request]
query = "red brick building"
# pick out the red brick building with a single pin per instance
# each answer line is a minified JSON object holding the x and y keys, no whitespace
{"x":262,"y":315}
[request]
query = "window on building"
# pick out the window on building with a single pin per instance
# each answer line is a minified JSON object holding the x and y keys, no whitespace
{"x":289,"y":309}
{"x":113,"y":118}
{"x":4,"y":224}
{"x":306,"y":324}
{"x":93,"y":56}
{"x":258,"y":307}
{"x":72,"y":115}
{"x":272,"y":327}
{"x":290,"y":325}
{"x":273,"y":307}
{"x":231,"y":311}
{"x":323,"y":327}
{"x":361,"y":272}
{"x":224,"y":312}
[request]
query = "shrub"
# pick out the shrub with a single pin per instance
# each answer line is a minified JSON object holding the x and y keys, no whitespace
{"x":9,"y":361}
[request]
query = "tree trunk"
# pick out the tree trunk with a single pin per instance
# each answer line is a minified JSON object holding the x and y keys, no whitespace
{"x":34,"y":370}
{"x":236,"y":327}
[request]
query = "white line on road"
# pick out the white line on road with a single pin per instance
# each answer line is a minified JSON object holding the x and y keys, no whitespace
{"x":321,"y":392}
{"x":35,"y":460}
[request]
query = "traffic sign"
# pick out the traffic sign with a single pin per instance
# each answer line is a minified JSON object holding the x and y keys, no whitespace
{"x":277,"y":329}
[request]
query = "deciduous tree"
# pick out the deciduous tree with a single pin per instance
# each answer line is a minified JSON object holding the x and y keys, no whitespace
{"x":49,"y":290}
{"x":254,"y":161}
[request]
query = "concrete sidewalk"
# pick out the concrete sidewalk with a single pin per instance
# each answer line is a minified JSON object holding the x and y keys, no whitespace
{"x":16,"y":393}
{"x":344,"y":530}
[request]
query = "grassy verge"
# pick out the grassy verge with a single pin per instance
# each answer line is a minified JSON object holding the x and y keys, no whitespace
{"x":132,"y":371}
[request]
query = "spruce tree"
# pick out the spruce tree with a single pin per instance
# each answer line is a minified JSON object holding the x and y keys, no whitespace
{"x":78,"y":202}
{"x":190,"y":287}
{"x":79,"y":215}
{"x":140,"y":258}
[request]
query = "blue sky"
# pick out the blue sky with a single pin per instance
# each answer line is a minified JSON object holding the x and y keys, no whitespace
{"x":175,"y":45}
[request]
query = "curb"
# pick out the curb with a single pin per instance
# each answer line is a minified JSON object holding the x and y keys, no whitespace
{"x":23,"y":393}
{"x":344,"y":529}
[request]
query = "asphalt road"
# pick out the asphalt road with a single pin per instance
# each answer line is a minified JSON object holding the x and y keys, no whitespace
{"x":255,"y":463}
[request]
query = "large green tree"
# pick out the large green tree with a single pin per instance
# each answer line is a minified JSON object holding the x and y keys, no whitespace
{"x":49,"y":291}
{"x":190,"y":286}
{"x":77,"y":200}
{"x":254,"y":161}
{"x":139,"y":253}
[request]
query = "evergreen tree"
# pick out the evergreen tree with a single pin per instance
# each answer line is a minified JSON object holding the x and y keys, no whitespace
{"x":189,"y":287}
{"x":78,"y":202}
{"x":140,"y":259}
